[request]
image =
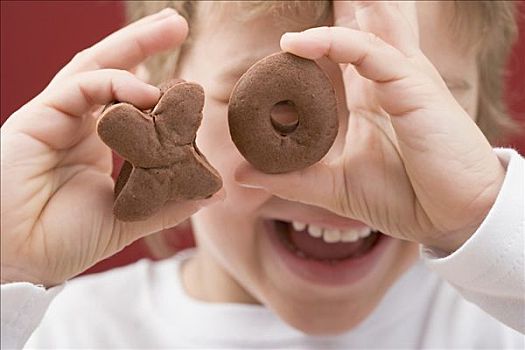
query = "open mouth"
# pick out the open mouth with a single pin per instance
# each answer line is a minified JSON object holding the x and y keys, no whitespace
{"x":325,"y":244}
{"x":308,"y":246}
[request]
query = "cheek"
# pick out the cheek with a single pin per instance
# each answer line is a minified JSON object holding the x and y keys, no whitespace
{"x":227,"y":244}
{"x":213,"y":139}
{"x":468,"y":100}
{"x":231,"y":242}
{"x":228,"y":225}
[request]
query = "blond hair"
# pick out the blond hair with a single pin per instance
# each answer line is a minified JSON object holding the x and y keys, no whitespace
{"x":491,"y":25}
{"x":165,"y":64}
{"x":488,"y":25}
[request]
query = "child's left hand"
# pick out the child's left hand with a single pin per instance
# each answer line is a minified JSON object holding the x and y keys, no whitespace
{"x":414,"y":165}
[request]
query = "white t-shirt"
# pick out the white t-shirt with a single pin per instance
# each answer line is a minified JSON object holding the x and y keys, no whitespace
{"x":145,"y":306}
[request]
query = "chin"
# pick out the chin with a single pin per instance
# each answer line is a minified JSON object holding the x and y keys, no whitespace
{"x":328,"y":288}
{"x":326,"y":319}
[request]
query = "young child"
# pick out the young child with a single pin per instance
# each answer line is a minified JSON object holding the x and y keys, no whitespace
{"x":410,"y":169}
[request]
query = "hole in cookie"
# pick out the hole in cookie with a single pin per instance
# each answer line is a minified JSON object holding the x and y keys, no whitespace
{"x":284,"y":117}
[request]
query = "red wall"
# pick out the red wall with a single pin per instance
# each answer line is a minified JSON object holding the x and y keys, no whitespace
{"x":39,"y":37}
{"x":515,"y":91}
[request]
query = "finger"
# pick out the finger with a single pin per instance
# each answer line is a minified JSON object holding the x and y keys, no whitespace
{"x":78,"y":95}
{"x":315,"y":185}
{"x":373,"y":58}
{"x":166,"y":12}
{"x":170,"y":215}
{"x":55,"y":117}
{"x":130,"y":45}
{"x":394,"y":22}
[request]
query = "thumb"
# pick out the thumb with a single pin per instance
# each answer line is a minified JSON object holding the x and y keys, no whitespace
{"x":317,"y":185}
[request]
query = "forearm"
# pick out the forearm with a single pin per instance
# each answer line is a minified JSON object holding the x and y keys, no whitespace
{"x":488,"y":269}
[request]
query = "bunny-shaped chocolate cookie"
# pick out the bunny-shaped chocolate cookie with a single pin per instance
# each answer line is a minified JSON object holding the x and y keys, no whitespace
{"x":162,"y":160}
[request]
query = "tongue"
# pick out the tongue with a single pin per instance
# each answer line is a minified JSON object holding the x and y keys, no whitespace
{"x":318,"y":249}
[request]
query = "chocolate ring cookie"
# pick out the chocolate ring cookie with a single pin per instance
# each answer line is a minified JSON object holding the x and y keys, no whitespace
{"x":162,"y":160}
{"x":276,"y":79}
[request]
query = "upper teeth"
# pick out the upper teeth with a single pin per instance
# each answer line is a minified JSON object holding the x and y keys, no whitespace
{"x":331,"y":235}
{"x":298,"y":226}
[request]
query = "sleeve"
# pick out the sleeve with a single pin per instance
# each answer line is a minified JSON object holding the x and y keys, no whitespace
{"x":23,"y":307}
{"x":488,"y":269}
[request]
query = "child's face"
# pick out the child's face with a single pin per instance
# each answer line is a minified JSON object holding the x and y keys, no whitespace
{"x":238,"y":260}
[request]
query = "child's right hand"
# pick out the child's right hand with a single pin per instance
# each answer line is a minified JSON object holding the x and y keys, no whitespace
{"x":57,"y":191}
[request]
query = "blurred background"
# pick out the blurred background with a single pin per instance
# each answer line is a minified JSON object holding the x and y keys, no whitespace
{"x":40,"y":37}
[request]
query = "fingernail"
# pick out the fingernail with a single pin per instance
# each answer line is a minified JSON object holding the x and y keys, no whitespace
{"x":168,"y":11}
{"x":257,"y":187}
{"x":153,"y":91}
{"x":287,"y":37}
{"x":215,"y":198}
{"x":291,"y":35}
